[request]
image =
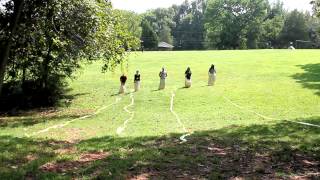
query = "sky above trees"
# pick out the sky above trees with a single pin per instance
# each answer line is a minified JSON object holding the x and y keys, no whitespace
{"x":143,"y":5}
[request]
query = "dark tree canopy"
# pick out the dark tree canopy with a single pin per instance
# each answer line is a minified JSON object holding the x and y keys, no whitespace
{"x":295,"y":27}
{"x":48,"y":40}
{"x":234,"y":24}
{"x":148,"y":37}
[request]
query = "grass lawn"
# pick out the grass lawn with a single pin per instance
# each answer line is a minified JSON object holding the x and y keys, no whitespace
{"x":242,"y":127}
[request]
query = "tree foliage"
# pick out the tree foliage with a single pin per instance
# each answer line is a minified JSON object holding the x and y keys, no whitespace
{"x":273,"y":25}
{"x":189,"y":30}
{"x":149,"y":37}
{"x":132,"y":21}
{"x":234,"y":24}
{"x":161,"y":22}
{"x":295,"y":27}
{"x":228,"y":24}
{"x":53,"y":38}
{"x":316,"y":7}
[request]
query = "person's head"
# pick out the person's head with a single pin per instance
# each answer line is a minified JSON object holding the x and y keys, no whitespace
{"x":137,"y":72}
{"x":163,"y":69}
{"x":188,"y":69}
{"x":212,"y":66}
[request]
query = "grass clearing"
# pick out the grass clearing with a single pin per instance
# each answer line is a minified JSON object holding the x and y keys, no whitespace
{"x":227,"y":141}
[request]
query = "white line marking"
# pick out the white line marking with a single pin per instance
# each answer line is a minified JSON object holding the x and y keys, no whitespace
{"x":240,"y":107}
{"x":68,"y":122}
{"x":266,"y":117}
{"x":123,"y":127}
{"x":183,"y":137}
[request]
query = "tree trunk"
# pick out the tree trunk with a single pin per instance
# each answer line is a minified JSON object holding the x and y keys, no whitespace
{"x":45,"y":68}
{"x":23,"y":79}
{"x":45,"y":64}
{"x":4,"y":56}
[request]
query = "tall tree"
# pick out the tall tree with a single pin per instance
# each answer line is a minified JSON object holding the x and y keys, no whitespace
{"x":316,"y":7}
{"x":13,"y":13}
{"x":189,"y":30}
{"x":295,"y":28}
{"x":54,"y":36}
{"x":161,"y":21}
{"x":273,"y":25}
{"x":234,"y":24}
{"x":148,"y":36}
{"x":132,"y":21}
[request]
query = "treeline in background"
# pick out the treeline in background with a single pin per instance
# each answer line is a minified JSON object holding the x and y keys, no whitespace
{"x":221,"y":24}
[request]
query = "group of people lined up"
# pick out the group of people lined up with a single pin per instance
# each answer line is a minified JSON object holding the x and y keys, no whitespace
{"x":163,"y":75}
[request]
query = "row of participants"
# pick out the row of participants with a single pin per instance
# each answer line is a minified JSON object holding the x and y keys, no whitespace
{"x":212,"y":74}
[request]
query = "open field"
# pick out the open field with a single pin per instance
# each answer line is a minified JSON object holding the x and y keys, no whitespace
{"x":261,"y":119}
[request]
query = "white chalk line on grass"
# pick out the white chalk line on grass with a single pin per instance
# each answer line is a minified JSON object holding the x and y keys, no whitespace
{"x":183,"y":137}
{"x":123,"y":127}
{"x":73,"y":120}
{"x":266,"y":117}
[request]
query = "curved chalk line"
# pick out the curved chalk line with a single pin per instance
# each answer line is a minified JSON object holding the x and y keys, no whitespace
{"x":266,"y":117}
{"x":183,"y":137}
{"x":68,"y":122}
{"x":123,"y":127}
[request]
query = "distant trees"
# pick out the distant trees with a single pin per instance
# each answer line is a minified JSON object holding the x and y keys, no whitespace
{"x":272,"y":26}
{"x":316,"y":7}
{"x":314,"y":24}
{"x":295,"y":27}
{"x":189,"y":29}
{"x":132,"y":22}
{"x":180,"y":25}
{"x":232,"y":24}
{"x":314,"y":29}
{"x":161,"y":22}
{"x":148,"y":37}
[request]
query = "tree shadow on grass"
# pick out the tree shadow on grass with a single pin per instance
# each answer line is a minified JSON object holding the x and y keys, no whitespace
{"x":20,"y":158}
{"x":310,"y":78}
{"x":30,"y":116}
{"x":270,"y":151}
{"x":259,"y":151}
{"x":17,"y":102}
{"x":30,"y":121}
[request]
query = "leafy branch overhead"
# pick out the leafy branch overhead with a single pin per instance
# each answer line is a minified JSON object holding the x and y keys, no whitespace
{"x":54,"y":36}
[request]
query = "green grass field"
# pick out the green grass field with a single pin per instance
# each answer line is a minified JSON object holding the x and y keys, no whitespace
{"x":245,"y":126}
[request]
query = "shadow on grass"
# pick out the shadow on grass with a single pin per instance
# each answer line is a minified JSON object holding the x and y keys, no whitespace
{"x":20,"y":158}
{"x":30,"y":121}
{"x":310,"y":78}
{"x":22,"y":116}
{"x":182,"y":88}
{"x":279,"y":150}
{"x":16,"y":102}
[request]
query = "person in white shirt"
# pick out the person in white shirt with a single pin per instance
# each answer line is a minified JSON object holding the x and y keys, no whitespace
{"x":163,"y":75}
